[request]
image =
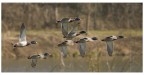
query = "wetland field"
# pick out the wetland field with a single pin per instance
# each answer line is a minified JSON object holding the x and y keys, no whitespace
{"x":97,"y":19}
{"x":127,"y":55}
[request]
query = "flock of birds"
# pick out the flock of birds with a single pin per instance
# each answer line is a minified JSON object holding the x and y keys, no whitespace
{"x":68,"y":35}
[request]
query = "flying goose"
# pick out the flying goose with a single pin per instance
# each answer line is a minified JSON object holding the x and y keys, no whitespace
{"x":64,"y":24}
{"x":68,"y":20}
{"x":82,"y":44}
{"x":63,"y":47}
{"x":22,"y":38}
{"x":34,"y":58}
{"x":109,"y":42}
{"x":73,"y":33}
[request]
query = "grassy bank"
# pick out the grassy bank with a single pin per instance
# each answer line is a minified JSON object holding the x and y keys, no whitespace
{"x":48,"y":40}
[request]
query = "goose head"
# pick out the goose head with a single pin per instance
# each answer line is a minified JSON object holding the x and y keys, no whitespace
{"x":120,"y":37}
{"x":82,"y":39}
{"x":29,"y":57}
{"x":110,"y":38}
{"x":82,"y":32}
{"x":46,"y":54}
{"x":76,"y":41}
{"x":85,"y":38}
{"x":94,"y":38}
{"x":58,"y":21}
{"x":15,"y":45}
{"x":33,"y":42}
{"x":63,"y":43}
{"x":77,"y":19}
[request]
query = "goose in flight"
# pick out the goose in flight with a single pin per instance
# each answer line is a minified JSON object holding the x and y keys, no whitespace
{"x":109,"y":42}
{"x":82,"y":44}
{"x":63,"y":47}
{"x":73,"y":33}
{"x":64,"y":24}
{"x":34,"y":58}
{"x":22,"y":38}
{"x":68,"y":20}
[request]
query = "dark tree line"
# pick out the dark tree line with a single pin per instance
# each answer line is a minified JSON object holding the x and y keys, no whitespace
{"x":93,"y":15}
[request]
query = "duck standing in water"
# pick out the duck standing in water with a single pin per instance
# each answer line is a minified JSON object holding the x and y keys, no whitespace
{"x":22,"y":38}
{"x":109,"y":42}
{"x":34,"y":58}
{"x":82,"y":44}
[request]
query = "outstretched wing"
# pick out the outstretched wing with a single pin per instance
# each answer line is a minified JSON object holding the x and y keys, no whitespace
{"x":74,"y":29}
{"x":109,"y":47}
{"x":34,"y":62}
{"x":22,"y":36}
{"x":82,"y":48}
{"x":63,"y":49}
{"x":64,"y":28}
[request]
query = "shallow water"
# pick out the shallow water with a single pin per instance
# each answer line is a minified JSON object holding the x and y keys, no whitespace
{"x":78,"y":64}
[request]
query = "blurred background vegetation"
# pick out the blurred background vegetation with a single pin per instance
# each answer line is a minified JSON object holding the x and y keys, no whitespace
{"x":100,"y":19}
{"x":97,"y":16}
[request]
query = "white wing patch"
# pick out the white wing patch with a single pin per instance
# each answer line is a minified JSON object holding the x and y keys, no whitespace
{"x":22,"y":43}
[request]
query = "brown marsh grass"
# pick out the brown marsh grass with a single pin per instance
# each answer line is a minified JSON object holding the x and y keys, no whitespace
{"x":126,"y":51}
